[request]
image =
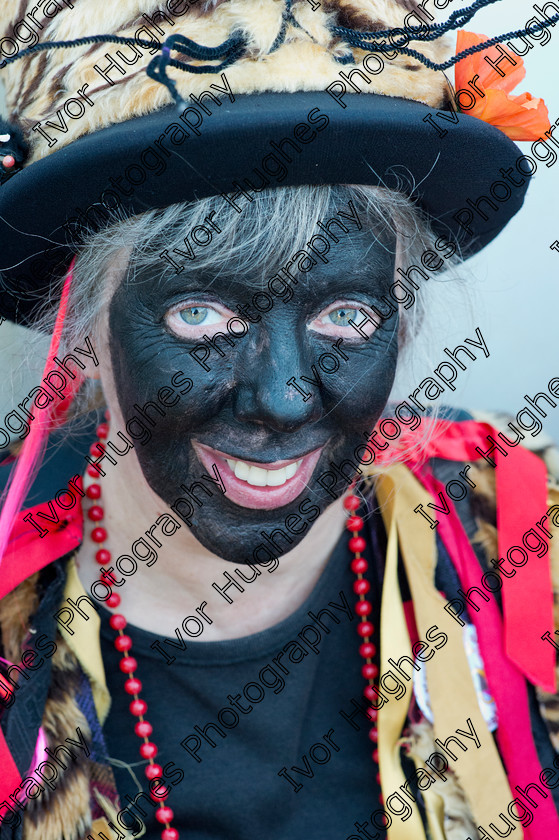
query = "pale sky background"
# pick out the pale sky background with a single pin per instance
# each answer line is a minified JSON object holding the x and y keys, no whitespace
{"x":514,"y":279}
{"x":517,"y":275}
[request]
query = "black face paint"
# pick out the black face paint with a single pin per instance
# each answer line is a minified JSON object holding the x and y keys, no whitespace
{"x":243,"y":407}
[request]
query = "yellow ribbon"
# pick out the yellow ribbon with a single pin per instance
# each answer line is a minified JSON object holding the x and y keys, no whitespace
{"x":395,"y":642}
{"x":451,"y":689}
{"x":85,"y":643}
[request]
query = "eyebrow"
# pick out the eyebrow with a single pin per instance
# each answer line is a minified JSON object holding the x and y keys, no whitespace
{"x":365,"y":269}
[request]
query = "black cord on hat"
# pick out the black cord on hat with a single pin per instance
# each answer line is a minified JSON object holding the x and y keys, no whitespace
{"x":425,"y":32}
{"x":229,"y":51}
{"x":356,"y":39}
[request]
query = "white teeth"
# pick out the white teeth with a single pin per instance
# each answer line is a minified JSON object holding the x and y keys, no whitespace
{"x":276,"y":477}
{"x":290,"y":470}
{"x":259,"y":477}
{"x":241,"y":470}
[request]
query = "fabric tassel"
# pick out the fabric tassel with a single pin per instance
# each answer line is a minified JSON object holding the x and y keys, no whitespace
{"x":397,"y":489}
{"x":34,"y":446}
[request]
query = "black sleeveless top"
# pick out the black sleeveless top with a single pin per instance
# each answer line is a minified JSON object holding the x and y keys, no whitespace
{"x":250,"y":731}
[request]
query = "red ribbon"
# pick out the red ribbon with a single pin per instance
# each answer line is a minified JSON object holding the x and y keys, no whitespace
{"x":504,"y":679}
{"x":528,"y":596}
{"x":10,"y":778}
{"x":28,"y":552}
{"x":521,"y":490}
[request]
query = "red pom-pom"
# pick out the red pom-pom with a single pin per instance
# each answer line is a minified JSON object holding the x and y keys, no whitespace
{"x":359,"y":565}
{"x":148,"y":750}
{"x":128,"y":664}
{"x":8,"y":161}
{"x":164,"y":814}
{"x":138,"y":707}
{"x":123,"y":643}
{"x":143,"y":729}
{"x":357,"y":544}
{"x":365,"y":628}
{"x":354,"y":523}
{"x":117,"y":622}
{"x":153,"y":771}
{"x":113,"y":601}
{"x":351,"y":502}
{"x":361,"y":587}
{"x":133,"y":686}
{"x":369,"y":671}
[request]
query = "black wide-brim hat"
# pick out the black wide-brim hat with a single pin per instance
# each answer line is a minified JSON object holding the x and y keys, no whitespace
{"x":266,"y":117}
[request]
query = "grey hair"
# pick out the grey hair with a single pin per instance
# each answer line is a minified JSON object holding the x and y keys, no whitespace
{"x":268,"y":231}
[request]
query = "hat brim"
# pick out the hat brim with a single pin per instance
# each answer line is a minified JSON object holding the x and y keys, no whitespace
{"x":375,"y":140}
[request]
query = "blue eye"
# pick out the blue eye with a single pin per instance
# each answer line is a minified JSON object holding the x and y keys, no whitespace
{"x":342,"y":316}
{"x":336,"y":319}
{"x":194,"y":315}
{"x":195,"y":320}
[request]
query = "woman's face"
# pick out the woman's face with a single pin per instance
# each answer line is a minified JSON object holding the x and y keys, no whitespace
{"x":245,"y":411}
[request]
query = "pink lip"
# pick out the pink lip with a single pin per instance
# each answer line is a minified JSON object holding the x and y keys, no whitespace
{"x":258,"y":498}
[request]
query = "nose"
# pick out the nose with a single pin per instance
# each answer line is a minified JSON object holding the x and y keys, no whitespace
{"x":262,"y":394}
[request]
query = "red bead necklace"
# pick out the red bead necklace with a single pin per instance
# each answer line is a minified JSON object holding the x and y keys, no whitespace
{"x":128,"y":664}
{"x":123,"y":643}
{"x":363,"y":608}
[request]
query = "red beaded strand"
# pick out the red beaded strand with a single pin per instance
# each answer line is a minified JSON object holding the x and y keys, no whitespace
{"x":363,"y":609}
{"x":123,"y":643}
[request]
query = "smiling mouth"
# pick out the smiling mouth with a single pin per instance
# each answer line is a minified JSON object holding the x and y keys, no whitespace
{"x":258,"y":485}
{"x":259,"y":477}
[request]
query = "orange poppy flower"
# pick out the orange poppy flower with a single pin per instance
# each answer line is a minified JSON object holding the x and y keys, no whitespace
{"x":522,"y":117}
